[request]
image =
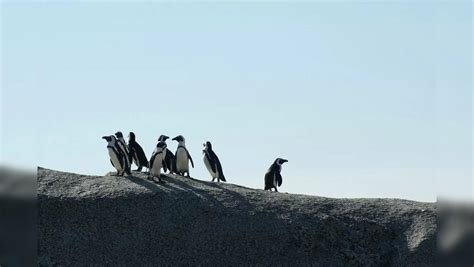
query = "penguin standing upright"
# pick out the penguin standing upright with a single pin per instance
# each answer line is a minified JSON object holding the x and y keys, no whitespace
{"x":182,"y":157}
{"x":169,"y":162}
{"x":212,"y":163}
{"x":117,"y":158}
{"x":156,"y":161}
{"x":137,"y":153}
{"x":123,"y":146}
{"x":273,"y":177}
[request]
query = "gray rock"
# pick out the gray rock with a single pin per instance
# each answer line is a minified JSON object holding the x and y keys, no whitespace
{"x":108,"y":220}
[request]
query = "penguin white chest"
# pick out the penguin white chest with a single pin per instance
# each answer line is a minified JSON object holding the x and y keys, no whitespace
{"x":115,"y":160}
{"x":157,"y":165}
{"x":209,"y":168}
{"x":182,"y":160}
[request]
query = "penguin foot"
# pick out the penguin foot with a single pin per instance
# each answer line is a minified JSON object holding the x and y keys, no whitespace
{"x":158,"y":182}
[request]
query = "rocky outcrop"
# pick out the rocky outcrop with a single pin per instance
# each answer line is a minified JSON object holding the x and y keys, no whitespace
{"x":97,"y":220}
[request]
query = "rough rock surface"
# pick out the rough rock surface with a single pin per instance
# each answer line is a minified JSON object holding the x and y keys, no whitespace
{"x":108,"y":220}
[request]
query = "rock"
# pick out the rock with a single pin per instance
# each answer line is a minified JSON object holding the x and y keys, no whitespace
{"x":108,"y":220}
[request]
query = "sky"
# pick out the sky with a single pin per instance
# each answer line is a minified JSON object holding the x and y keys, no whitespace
{"x":363,"y":99}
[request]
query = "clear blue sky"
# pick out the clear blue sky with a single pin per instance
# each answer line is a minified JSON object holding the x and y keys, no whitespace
{"x":363,"y":99}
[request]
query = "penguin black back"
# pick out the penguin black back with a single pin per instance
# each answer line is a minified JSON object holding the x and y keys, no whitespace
{"x":137,"y":153}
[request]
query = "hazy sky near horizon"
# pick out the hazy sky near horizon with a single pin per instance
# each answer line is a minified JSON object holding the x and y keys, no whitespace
{"x":363,"y":99}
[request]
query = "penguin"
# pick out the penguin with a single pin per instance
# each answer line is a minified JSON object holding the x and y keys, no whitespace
{"x":156,"y":161}
{"x":117,"y":158}
{"x":182,"y":156}
{"x":273,"y":177}
{"x":212,"y":163}
{"x":137,"y":153}
{"x":169,"y":162}
{"x":123,"y":146}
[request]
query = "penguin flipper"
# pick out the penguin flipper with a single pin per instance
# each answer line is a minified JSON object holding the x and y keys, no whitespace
{"x":136,"y":156}
{"x":212,"y":163}
{"x":163,"y":163}
{"x":189,"y":157}
{"x":141,"y":155}
{"x":152,"y":159}
{"x":131,"y":149}
{"x":219,"y":169}
{"x":279,"y":178}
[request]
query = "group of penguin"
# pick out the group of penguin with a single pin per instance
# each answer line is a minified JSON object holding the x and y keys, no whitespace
{"x":123,"y":155}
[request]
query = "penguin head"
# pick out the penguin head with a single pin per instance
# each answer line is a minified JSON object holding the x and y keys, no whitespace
{"x":119,"y":134}
{"x":131,"y":136}
{"x":207,"y":147}
{"x":110,"y":139}
{"x":178,"y":138}
{"x":280,"y":161}
{"x":163,"y":138}
{"x":161,"y":146}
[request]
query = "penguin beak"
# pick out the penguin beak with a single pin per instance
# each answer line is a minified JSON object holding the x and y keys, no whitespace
{"x":104,"y":137}
{"x":174,"y":139}
{"x":285,"y":160}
